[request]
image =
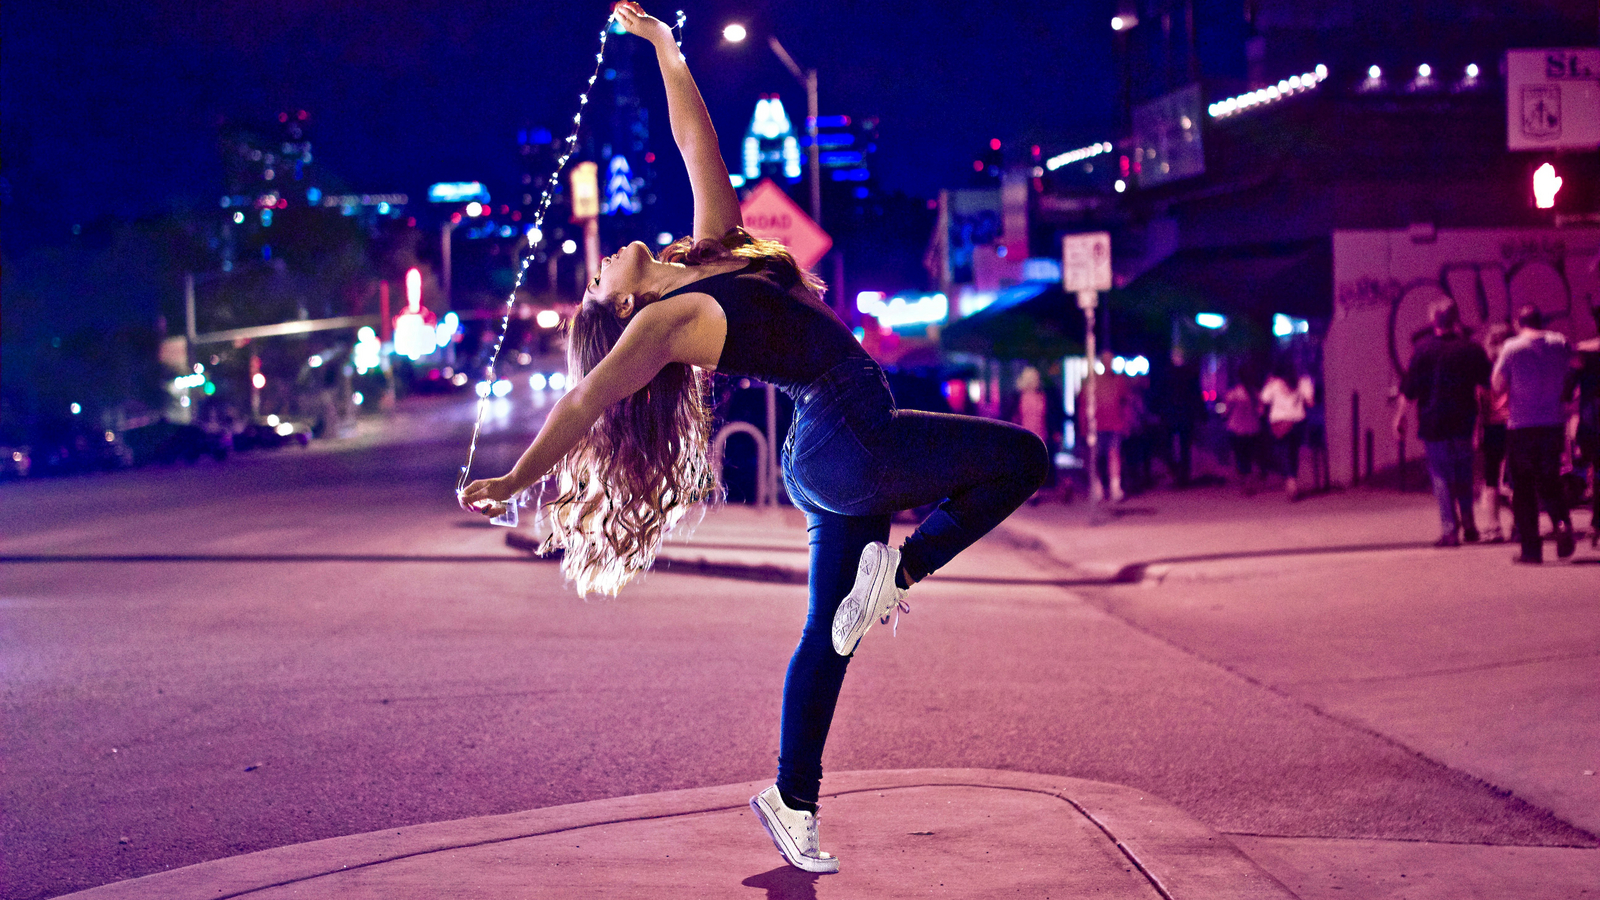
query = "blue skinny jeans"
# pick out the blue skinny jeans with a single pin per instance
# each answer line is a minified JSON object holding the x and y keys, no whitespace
{"x":851,"y":460}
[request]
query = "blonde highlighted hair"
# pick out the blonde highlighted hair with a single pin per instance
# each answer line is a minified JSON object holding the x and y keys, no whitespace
{"x":646,"y":461}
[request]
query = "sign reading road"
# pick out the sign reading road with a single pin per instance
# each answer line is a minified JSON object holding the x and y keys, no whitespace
{"x":769,"y":213}
{"x":1086,"y":262}
{"x":1553,"y":98}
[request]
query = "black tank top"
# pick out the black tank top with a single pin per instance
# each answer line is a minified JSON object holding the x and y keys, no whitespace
{"x":778,"y":331}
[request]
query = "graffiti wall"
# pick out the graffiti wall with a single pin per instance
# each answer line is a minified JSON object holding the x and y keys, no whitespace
{"x":1384,"y":282}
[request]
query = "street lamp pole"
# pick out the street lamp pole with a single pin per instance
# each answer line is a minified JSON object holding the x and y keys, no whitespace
{"x":808,"y":78}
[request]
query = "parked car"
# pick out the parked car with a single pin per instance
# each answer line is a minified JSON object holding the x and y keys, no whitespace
{"x":167,"y":442}
{"x":271,"y":435}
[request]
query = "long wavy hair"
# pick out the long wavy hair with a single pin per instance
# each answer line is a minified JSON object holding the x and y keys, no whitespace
{"x":646,"y":461}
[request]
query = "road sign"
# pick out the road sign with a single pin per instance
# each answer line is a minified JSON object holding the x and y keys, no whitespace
{"x":1086,"y":262}
{"x":769,"y":213}
{"x":1553,"y":98}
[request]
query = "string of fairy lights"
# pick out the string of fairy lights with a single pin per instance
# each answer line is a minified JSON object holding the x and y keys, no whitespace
{"x":533,"y":235}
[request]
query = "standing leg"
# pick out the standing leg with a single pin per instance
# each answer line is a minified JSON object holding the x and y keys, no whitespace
{"x":1494,"y":458}
{"x":1111,"y":442}
{"x":1291,"y":465}
{"x":1461,"y":486}
{"x":816,"y":673}
{"x":1520,"y":467}
{"x":1547,"y":480}
{"x":1594,"y":495}
{"x":1439,"y":473}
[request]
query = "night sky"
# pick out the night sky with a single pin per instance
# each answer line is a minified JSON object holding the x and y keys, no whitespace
{"x":111,"y":109}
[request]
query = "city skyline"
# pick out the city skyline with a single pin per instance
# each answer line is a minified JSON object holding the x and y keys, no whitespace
{"x":117,"y":113}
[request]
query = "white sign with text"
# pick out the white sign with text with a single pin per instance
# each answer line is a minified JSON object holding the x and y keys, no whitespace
{"x":1553,"y":98}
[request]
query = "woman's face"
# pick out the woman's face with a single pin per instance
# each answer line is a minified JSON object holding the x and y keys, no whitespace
{"x":622,"y":273}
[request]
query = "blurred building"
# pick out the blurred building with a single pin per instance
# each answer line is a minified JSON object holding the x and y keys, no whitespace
{"x":1300,"y":180}
{"x":270,"y":172}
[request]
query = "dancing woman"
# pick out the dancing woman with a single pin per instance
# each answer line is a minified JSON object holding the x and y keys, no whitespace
{"x":628,"y":442}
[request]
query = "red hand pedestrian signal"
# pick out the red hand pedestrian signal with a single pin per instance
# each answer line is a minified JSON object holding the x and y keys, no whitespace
{"x":1545,"y":185}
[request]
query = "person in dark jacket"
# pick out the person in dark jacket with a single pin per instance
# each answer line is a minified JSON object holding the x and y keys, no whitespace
{"x":1447,"y":381}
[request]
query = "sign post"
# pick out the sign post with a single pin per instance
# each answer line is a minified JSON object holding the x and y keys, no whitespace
{"x":585,"y":183}
{"x":1086,"y":271}
{"x":769,"y":213}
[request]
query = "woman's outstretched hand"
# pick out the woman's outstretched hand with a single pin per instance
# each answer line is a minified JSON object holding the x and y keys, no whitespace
{"x":636,"y":21}
{"x":486,"y":496}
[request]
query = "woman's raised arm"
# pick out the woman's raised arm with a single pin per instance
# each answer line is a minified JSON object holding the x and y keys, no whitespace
{"x":716,"y":206}
{"x":650,"y":341}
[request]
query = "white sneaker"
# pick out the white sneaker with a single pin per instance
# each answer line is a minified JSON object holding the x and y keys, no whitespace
{"x":871,"y":599}
{"x":793,"y":831}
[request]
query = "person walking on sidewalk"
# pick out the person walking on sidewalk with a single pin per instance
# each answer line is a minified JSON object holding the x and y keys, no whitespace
{"x":1495,"y":414}
{"x":1113,"y":414}
{"x":1447,"y":381}
{"x":1585,"y":386}
{"x":1532,"y":370}
{"x":629,"y":441}
{"x":1244,"y":431}
{"x":1034,"y":409}
{"x":1286,"y":398}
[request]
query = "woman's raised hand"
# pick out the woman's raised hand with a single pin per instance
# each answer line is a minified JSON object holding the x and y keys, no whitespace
{"x":635,"y":20}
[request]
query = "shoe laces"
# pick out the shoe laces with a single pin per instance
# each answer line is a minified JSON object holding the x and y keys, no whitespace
{"x":901,"y":605}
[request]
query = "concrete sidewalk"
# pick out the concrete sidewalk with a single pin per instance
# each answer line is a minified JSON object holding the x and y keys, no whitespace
{"x":962,"y":833}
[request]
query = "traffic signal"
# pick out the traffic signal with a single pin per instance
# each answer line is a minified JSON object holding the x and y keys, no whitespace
{"x":1546,"y":184}
{"x":1567,"y":184}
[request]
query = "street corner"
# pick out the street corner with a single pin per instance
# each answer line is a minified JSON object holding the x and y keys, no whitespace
{"x":901,"y":833}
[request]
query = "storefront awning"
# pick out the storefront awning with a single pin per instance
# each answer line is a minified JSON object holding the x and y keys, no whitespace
{"x":1292,"y":277}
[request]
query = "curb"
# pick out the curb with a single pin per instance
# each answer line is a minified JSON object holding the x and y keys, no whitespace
{"x":1181,"y":858}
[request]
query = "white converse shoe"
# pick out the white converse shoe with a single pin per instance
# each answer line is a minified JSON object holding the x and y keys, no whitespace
{"x":870,"y":600}
{"x":793,"y":831}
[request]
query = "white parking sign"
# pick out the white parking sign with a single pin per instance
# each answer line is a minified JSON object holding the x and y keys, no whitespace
{"x":1086,"y":262}
{"x":1553,"y":98}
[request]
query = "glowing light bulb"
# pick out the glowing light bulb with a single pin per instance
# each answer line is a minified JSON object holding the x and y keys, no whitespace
{"x":734,"y":33}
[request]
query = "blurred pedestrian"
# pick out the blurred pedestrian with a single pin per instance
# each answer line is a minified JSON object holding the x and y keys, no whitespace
{"x":1492,"y":438}
{"x":1243,"y":405}
{"x":1585,"y":386}
{"x":1532,"y":369}
{"x":1286,"y":396}
{"x":629,"y":441}
{"x":1032,"y":408}
{"x":1113,"y":401}
{"x":1183,"y":409}
{"x":1447,"y":382}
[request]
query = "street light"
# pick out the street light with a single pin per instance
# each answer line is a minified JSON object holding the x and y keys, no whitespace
{"x":735,"y":33}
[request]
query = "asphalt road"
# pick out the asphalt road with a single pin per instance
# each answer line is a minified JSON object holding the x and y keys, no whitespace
{"x":201,"y":662}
